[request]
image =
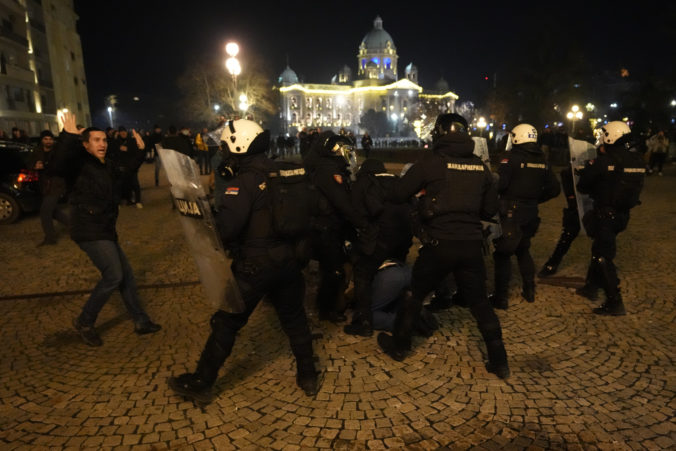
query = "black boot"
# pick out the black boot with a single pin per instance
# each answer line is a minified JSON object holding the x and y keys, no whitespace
{"x":528,"y":292}
{"x":549,"y":269}
{"x":360,"y":325}
{"x":439,"y":302}
{"x":197,"y":386}
{"x":389,"y":347}
{"x":497,"y":359}
{"x":306,"y":375}
{"x":498,"y":301}
{"x":427,"y":323}
{"x":590,"y":289}
{"x":613,"y":305}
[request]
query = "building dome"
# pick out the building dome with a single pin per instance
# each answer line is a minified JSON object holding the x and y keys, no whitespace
{"x":288,"y":76}
{"x":377,"y":38}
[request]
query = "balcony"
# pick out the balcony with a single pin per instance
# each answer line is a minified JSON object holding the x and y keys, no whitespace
{"x":16,"y":38}
{"x":19,"y":73}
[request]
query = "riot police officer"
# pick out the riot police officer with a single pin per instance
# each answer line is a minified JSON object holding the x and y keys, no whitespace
{"x":336,"y":221}
{"x":525,"y":179}
{"x":614,"y":181}
{"x":570,"y":223}
{"x":459,"y":193}
{"x":392,"y":240}
{"x":263,"y":265}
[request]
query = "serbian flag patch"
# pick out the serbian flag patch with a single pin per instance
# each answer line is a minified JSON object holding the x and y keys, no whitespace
{"x":232,"y":191}
{"x":338,"y":178}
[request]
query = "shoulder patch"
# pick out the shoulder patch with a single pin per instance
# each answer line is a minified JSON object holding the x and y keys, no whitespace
{"x":232,"y":191}
{"x":338,"y":178}
{"x":505,"y":160}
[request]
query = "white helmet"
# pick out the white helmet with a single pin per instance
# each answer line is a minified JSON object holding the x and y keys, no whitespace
{"x":239,"y":134}
{"x":613,"y":131}
{"x":524,"y":133}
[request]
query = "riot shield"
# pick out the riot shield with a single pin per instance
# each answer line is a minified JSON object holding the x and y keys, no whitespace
{"x":481,"y":150}
{"x":580,"y":151}
{"x":201,"y":233}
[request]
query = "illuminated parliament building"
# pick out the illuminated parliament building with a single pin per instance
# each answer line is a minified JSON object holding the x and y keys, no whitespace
{"x":377,"y":86}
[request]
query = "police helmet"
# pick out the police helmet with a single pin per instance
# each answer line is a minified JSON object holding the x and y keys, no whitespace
{"x":613,"y":132}
{"x":333,"y":145}
{"x":244,"y":137}
{"x":523,"y":133}
{"x":447,"y":123}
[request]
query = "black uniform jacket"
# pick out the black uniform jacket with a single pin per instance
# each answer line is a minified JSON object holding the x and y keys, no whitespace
{"x":613,"y":179}
{"x":525,"y":175}
{"x":244,"y":215}
{"x":461,"y":182}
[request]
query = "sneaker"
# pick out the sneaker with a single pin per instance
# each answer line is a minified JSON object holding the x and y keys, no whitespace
{"x":386,"y":343}
{"x":139,"y":205}
{"x":501,"y":370}
{"x":190,"y":386}
{"x":147,"y":328}
{"x":611,"y":310}
{"x":87,"y":333}
{"x":359,"y":326}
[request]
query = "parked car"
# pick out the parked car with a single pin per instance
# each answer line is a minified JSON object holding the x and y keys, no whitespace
{"x":19,"y":187}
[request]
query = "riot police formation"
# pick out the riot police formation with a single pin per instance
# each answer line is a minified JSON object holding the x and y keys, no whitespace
{"x":264,"y":264}
{"x":525,"y":179}
{"x":614,"y":181}
{"x":459,"y":193}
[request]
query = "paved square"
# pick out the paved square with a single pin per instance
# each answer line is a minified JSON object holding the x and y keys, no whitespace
{"x":578,"y":381}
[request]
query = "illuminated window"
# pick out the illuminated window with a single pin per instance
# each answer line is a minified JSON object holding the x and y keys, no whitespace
{"x":308,"y":102}
{"x":329,"y":103}
{"x":363,"y":63}
{"x":376,"y":60}
{"x":319,"y":103}
{"x":294,"y":102}
{"x":388,"y":63}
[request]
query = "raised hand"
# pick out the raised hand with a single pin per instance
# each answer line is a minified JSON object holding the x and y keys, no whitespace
{"x":139,"y":141}
{"x":69,"y":123}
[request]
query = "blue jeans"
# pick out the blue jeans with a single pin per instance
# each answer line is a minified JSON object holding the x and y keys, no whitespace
{"x":387,"y":286}
{"x":116,"y":273}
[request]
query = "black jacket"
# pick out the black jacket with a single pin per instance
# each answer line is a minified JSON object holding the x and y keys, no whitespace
{"x":457,"y":186}
{"x":525,"y":175}
{"x":614,"y":179}
{"x":92,"y":198}
{"x":244,"y":215}
{"x":329,"y":174}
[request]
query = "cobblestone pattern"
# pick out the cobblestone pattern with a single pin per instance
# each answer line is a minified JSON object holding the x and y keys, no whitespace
{"x":578,"y":381}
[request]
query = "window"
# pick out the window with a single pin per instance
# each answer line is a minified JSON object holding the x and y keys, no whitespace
{"x":329,"y":103}
{"x":363,"y":63}
{"x":388,"y":63}
{"x":308,"y":102}
{"x":294,"y":102}
{"x":319,"y":103}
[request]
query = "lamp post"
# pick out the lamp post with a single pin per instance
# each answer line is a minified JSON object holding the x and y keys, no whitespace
{"x":110,"y":116}
{"x":574,"y":114}
{"x":233,"y":66}
{"x":243,"y":103}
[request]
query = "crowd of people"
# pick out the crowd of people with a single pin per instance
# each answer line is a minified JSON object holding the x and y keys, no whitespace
{"x":357,"y":223}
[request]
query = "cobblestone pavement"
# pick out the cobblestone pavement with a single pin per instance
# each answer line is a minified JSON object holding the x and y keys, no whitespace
{"x":578,"y":381}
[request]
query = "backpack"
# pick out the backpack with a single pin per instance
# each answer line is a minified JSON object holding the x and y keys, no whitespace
{"x":293,"y":200}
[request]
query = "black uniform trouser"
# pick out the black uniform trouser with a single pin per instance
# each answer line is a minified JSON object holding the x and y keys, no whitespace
{"x":603,"y":225}
{"x":284,"y":286}
{"x":464,"y":259}
{"x":570,"y":230}
{"x":327,"y":246}
{"x":516,"y":243}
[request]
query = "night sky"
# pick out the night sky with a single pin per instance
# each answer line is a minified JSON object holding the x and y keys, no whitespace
{"x":140,"y":47}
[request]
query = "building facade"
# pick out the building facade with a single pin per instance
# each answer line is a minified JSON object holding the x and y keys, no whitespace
{"x":41,"y":65}
{"x":377,"y":87}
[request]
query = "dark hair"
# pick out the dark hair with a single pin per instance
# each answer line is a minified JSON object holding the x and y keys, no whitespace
{"x":172,"y":129}
{"x":87,"y":131}
{"x":44,"y":133}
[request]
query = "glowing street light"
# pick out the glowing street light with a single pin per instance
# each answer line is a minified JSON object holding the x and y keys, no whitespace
{"x":243,"y":102}
{"x":110,"y":116}
{"x":574,"y":115}
{"x":217,"y":107}
{"x":232,"y":48}
{"x":481,"y":124}
{"x":233,"y":67}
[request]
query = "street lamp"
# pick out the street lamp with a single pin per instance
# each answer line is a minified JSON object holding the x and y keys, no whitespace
{"x":110,"y":116}
{"x":481,"y":124}
{"x":243,"y":102}
{"x":233,"y":66}
{"x":574,"y":114}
